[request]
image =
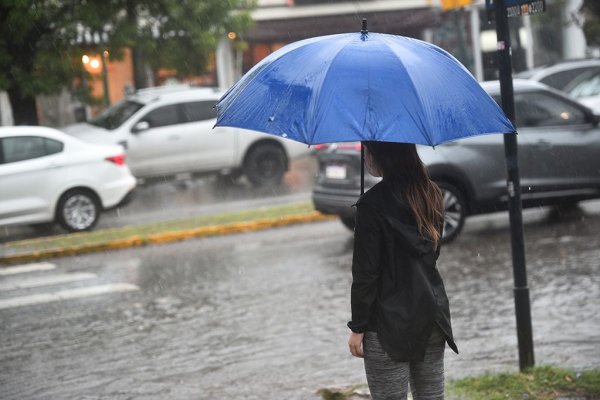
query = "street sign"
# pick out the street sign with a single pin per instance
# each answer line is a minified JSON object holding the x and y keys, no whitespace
{"x":518,"y":8}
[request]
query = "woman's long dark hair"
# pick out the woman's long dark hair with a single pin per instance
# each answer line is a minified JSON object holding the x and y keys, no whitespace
{"x":400,"y":165}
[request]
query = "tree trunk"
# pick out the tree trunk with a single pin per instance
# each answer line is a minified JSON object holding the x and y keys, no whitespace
{"x":24,"y":107}
{"x":139,"y":71}
{"x":137,"y":59}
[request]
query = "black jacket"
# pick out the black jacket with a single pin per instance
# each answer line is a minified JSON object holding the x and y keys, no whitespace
{"x":397,"y":290}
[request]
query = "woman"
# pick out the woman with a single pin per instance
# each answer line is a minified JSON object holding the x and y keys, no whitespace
{"x":400,"y":312}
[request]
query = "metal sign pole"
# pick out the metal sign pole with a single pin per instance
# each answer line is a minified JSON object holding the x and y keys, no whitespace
{"x":521,"y":290}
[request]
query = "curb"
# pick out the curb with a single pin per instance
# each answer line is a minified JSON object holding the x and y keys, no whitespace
{"x":168,"y":237}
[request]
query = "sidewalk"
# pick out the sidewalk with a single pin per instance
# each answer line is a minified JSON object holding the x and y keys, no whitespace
{"x":223,"y":223}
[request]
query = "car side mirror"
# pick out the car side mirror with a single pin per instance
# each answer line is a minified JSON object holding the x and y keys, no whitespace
{"x":140,"y":127}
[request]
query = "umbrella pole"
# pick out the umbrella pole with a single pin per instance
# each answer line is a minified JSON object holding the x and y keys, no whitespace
{"x":364,"y":31}
{"x":362,"y":169}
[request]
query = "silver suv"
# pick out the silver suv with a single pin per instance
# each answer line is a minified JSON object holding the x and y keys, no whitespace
{"x":559,"y":161}
{"x":168,"y":131}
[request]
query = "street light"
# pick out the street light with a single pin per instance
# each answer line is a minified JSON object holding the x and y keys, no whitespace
{"x":94,"y":64}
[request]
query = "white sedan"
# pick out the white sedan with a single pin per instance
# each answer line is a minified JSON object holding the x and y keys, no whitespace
{"x":49,"y":176}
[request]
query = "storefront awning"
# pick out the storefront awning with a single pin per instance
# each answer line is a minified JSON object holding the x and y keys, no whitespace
{"x":406,"y":22}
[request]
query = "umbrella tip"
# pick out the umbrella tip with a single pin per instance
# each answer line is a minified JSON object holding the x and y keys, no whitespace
{"x":364,"y":30}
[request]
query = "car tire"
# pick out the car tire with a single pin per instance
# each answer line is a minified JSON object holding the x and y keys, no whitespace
{"x":349,"y":222}
{"x":455,"y":211}
{"x":265,"y":164}
{"x":78,"y":210}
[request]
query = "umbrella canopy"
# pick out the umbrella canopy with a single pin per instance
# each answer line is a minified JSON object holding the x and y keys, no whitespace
{"x":362,"y":86}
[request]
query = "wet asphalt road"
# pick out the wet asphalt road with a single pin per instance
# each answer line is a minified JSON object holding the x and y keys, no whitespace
{"x":262,"y":315}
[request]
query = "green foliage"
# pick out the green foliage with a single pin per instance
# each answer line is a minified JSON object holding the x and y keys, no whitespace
{"x":35,"y":42}
{"x":540,"y":383}
{"x":42,"y":41}
{"x":177,"y":34}
{"x":591,"y":25}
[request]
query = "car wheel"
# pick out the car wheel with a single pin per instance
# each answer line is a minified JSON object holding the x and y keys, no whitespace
{"x":265,"y":165}
{"x":349,"y":222}
{"x":78,"y":210}
{"x":455,"y":211}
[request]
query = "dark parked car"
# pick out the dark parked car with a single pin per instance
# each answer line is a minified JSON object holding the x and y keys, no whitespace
{"x":559,"y":156}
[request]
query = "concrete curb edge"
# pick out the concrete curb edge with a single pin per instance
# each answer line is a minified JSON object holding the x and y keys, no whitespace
{"x":168,"y":237}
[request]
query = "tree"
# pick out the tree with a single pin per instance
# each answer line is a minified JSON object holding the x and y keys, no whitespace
{"x":41,"y":42}
{"x":175,"y":34}
{"x":591,"y":24}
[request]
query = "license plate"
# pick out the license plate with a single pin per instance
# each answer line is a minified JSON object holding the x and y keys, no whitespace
{"x":335,"y":172}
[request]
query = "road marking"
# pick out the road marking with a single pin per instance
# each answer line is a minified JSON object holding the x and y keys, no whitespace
{"x":66,"y":295}
{"x":34,"y":282}
{"x":19,"y":269}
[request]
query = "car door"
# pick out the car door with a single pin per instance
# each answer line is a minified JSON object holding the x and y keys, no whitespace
{"x":158,"y":148}
{"x":207,"y":149}
{"x":28,"y":165}
{"x":562,"y":143}
{"x":479,"y":161}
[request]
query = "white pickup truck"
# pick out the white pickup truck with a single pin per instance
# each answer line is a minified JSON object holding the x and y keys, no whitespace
{"x":168,"y":131}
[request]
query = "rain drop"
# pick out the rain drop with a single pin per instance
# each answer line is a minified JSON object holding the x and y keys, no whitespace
{"x":271,"y":119}
{"x":284,"y":135}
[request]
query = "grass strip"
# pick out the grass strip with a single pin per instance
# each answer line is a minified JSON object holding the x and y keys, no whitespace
{"x":540,"y":383}
{"x":152,"y":232}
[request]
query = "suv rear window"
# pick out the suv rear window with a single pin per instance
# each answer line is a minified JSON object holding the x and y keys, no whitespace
{"x":535,"y":109}
{"x":539,"y":109}
{"x":199,"y":111}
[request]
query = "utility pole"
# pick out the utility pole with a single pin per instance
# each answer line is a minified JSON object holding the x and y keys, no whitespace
{"x":106,"y":96}
{"x":521,"y":290}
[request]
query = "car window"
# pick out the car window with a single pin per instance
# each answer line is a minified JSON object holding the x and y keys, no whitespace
{"x":537,"y":109}
{"x":53,"y":146}
{"x":113,"y":117}
{"x":162,"y":116}
{"x":21,"y":148}
{"x":199,"y":111}
{"x":589,"y":86}
{"x":560,"y":80}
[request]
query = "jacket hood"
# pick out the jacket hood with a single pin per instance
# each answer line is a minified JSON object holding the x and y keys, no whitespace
{"x":398,"y":215}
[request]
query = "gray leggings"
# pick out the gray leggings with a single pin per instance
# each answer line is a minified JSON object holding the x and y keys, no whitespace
{"x":388,"y":379}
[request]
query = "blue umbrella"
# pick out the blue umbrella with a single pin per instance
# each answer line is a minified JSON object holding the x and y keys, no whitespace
{"x":362,"y":86}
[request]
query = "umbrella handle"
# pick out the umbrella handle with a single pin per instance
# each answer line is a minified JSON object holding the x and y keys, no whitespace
{"x":362,"y":168}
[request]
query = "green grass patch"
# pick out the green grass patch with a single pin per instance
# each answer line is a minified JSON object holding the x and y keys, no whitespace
{"x":145,"y":230}
{"x":540,"y":383}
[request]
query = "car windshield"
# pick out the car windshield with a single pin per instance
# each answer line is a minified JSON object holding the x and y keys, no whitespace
{"x":113,"y":117}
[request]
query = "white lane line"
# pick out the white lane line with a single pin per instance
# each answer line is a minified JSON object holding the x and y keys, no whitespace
{"x":66,"y":295}
{"x":19,"y":269}
{"x":34,"y":282}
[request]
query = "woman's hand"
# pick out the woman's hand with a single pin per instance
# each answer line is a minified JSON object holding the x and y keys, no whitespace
{"x":355,"y":342}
